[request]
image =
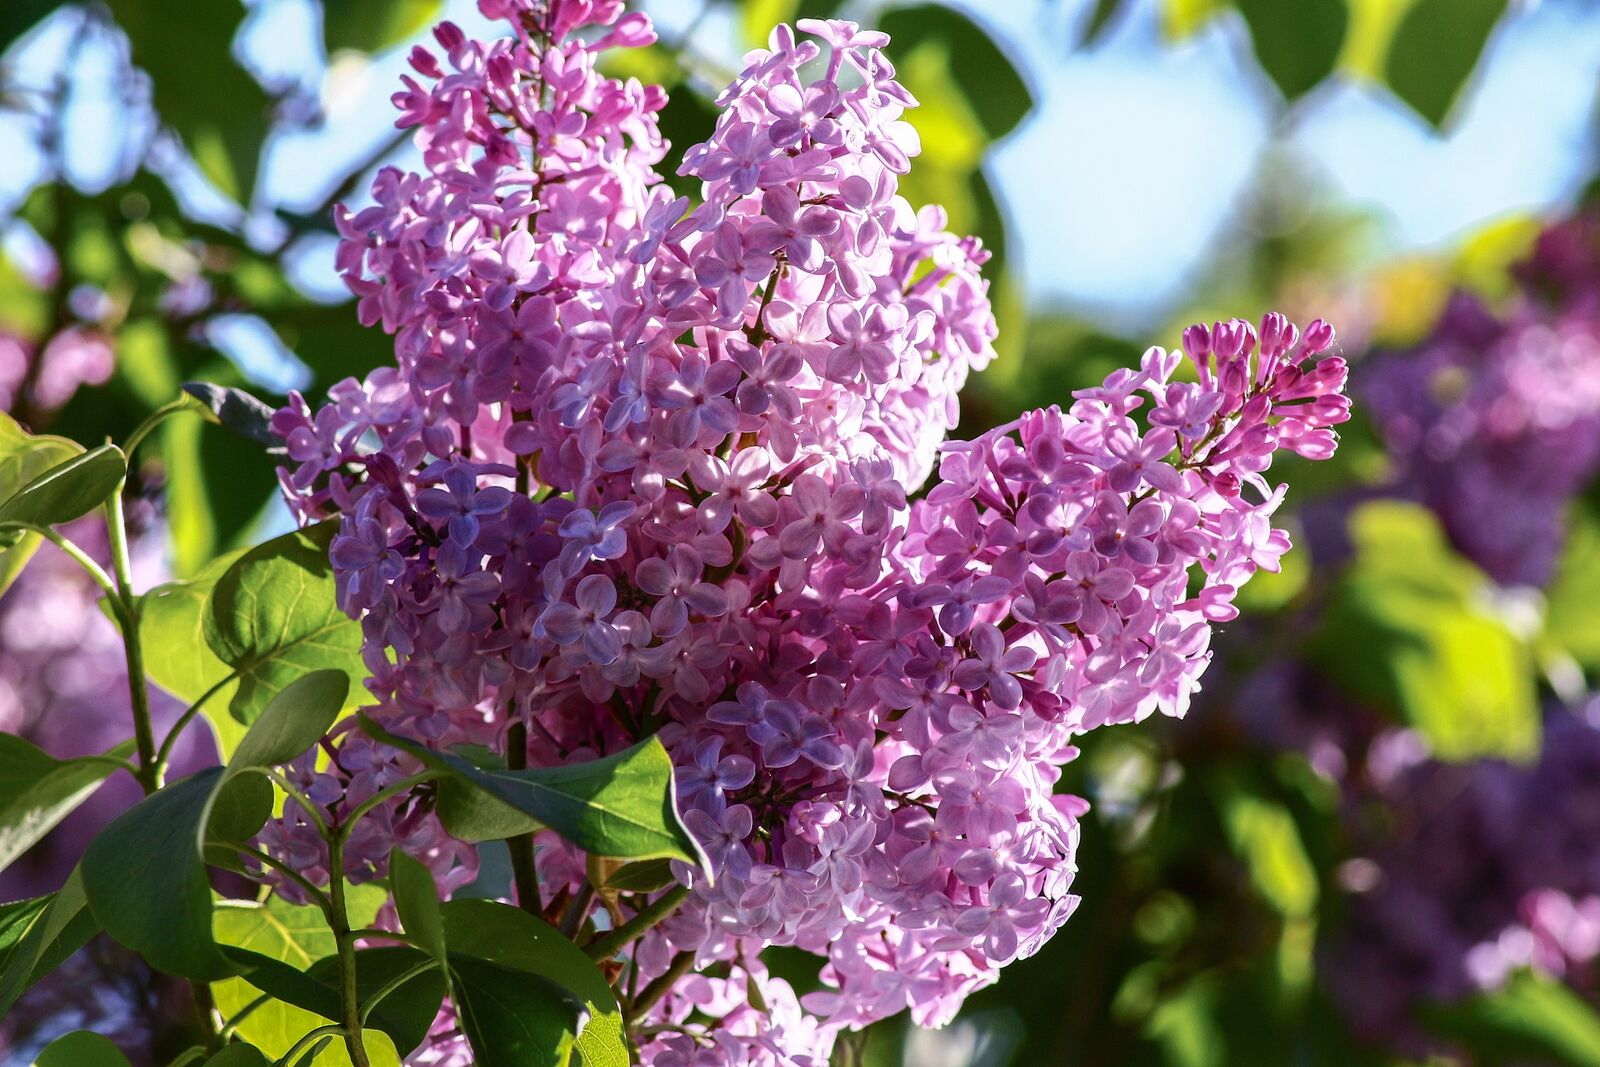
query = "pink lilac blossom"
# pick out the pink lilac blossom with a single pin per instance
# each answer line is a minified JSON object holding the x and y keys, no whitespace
{"x":645,"y":469}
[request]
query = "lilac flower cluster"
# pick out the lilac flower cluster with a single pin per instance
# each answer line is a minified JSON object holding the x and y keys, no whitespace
{"x":646,"y":469}
{"x":1494,"y":423}
{"x":1454,"y":893}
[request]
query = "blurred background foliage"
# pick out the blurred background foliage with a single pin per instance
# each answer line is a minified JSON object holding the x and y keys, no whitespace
{"x":1337,"y":858}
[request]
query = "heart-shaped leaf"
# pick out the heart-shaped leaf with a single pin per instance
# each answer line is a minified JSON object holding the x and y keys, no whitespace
{"x":37,"y":791}
{"x":273,"y":616}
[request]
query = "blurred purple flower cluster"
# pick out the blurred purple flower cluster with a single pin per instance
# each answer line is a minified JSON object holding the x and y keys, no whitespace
{"x":1472,"y":872}
{"x":1493,"y":422}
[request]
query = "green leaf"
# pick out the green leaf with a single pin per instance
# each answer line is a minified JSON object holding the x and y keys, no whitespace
{"x":273,"y":616}
{"x":644,"y":876}
{"x":1297,"y":44}
{"x":176,"y":656}
{"x":373,"y":25}
{"x":237,"y":410}
{"x":1570,"y":621}
{"x":146,"y":881}
{"x":67,"y":490}
{"x":239,"y":1055}
{"x":293,"y":721}
{"x":37,"y":935}
{"x":81,"y":1049}
{"x":1434,"y":50}
{"x":23,"y":457}
{"x":416,"y":901}
{"x":17,"y":17}
{"x":984,"y":75}
{"x":1100,"y":19}
{"x":1532,"y":1017}
{"x":1265,"y":836}
{"x":512,"y":1018}
{"x":293,"y":934}
{"x":511,"y":938}
{"x":1412,"y":627}
{"x":621,"y":806}
{"x":215,"y":106}
{"x":404,"y":1015}
{"x":37,"y":791}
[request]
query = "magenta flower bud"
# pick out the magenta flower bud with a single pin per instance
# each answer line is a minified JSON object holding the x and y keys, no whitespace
{"x":1319,"y":337}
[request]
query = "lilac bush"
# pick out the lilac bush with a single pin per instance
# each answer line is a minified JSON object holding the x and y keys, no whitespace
{"x":643,"y":466}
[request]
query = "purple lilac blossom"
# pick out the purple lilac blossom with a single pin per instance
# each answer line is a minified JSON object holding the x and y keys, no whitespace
{"x":637,"y":463}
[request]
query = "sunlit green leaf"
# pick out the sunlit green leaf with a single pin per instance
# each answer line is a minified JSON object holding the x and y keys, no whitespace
{"x":65,"y":491}
{"x":1412,"y":627}
{"x":994,"y":91}
{"x":273,"y":616}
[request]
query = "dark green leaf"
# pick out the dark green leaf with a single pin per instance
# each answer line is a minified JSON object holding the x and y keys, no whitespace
{"x":145,"y":878}
{"x":294,"y":720}
{"x":37,"y":791}
{"x":239,"y":411}
{"x":511,"y":938}
{"x":1531,"y":1017}
{"x":512,"y":1018}
{"x":17,"y":17}
{"x":1434,"y":50}
{"x":67,"y":490}
{"x":273,"y":617}
{"x":996,"y":94}
{"x":416,"y":901}
{"x":645,"y":876}
{"x":81,"y":1049}
{"x":621,"y":806}
{"x":35,"y":940}
{"x":1297,"y":44}
{"x":1100,"y":19}
{"x":217,"y":108}
{"x":373,"y":25}
{"x":239,"y":1055}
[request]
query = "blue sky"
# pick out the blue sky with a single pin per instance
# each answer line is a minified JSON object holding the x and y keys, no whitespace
{"x":1121,"y":183}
